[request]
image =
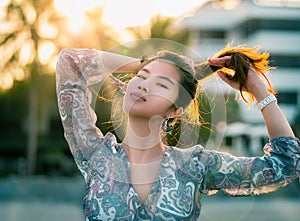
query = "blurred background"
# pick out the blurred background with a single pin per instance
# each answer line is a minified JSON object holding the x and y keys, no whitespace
{"x":38,"y":177}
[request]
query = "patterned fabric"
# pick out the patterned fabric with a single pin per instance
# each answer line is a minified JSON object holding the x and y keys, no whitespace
{"x":184,"y":174}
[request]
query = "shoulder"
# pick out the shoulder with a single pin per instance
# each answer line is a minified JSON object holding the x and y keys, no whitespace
{"x":104,"y":145}
{"x":197,"y":158}
{"x":109,"y":143}
{"x":190,"y":152}
{"x":186,"y":160}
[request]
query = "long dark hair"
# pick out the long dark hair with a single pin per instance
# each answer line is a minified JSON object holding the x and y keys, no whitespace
{"x":238,"y":66}
{"x":189,"y":92}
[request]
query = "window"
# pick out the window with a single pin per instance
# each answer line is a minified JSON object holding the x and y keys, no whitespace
{"x":251,"y":26}
{"x":289,"y":61}
{"x":287,"y":98}
{"x":212,"y":34}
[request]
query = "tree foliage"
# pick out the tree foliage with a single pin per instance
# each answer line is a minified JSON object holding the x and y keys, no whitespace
{"x":32,"y":32}
{"x":163,"y":28}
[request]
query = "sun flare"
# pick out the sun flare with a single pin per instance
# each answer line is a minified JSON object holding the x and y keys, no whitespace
{"x":123,"y":13}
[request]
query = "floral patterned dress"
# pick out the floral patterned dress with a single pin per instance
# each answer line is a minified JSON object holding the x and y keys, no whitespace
{"x":184,"y":174}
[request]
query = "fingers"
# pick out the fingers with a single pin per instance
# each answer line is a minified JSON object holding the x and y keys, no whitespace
{"x":220,"y":62}
{"x":120,"y":84}
{"x":223,"y":76}
{"x":116,"y":81}
{"x":232,"y":84}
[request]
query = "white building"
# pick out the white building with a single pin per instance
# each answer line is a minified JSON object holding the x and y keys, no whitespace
{"x":270,"y":24}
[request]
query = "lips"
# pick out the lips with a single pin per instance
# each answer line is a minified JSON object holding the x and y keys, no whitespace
{"x":137,"y":96}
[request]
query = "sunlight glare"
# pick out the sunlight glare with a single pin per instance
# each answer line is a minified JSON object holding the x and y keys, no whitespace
{"x":18,"y":2}
{"x":4,"y":3}
{"x":123,"y":13}
{"x":52,"y":63}
{"x":16,"y":72}
{"x":46,"y":50}
{"x":26,"y":55}
{"x":75,"y":11}
{"x":9,"y":27}
{"x":136,"y":12}
{"x":6,"y":81}
{"x":29,"y":12}
{"x":46,"y":30}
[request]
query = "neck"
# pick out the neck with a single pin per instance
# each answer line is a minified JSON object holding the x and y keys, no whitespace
{"x":142,"y":141}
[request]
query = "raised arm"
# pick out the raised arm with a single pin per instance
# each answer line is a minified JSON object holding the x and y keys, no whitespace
{"x":76,"y":69}
{"x":92,"y":64}
{"x":255,"y":175}
{"x":252,"y":175}
{"x":275,"y":120}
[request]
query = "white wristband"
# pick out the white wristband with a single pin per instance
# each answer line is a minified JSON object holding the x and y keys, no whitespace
{"x":266,"y":101}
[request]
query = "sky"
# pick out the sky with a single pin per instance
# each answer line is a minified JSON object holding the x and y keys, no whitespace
{"x":123,"y":13}
{"x":117,"y":13}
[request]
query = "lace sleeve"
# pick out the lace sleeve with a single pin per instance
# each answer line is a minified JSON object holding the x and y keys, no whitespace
{"x":76,"y":69}
{"x":253,"y":175}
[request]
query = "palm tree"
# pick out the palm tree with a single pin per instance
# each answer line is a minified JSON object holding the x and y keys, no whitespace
{"x":161,"y":27}
{"x":23,"y":46}
{"x":31,"y":36}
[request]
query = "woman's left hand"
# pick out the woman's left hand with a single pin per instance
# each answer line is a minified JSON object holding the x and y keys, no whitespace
{"x":118,"y":83}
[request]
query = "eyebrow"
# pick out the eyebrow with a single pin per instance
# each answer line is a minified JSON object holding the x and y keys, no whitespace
{"x":159,"y":76}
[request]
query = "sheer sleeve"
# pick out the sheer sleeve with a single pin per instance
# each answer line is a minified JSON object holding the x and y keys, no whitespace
{"x":76,"y":69}
{"x":255,"y":175}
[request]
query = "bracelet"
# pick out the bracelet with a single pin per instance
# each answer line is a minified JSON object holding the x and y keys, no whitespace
{"x":143,"y":59}
{"x":266,"y":101}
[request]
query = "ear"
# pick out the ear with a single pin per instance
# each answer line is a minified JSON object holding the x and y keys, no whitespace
{"x":175,"y":112}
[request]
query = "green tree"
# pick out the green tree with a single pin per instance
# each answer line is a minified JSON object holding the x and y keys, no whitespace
{"x":163,"y":28}
{"x":30,"y":50}
{"x":92,"y":33}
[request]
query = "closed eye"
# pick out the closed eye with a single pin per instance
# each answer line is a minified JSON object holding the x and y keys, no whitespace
{"x":162,"y":85}
{"x":141,"y":76}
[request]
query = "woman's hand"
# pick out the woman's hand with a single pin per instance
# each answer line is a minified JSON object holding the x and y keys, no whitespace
{"x":118,"y":83}
{"x":254,"y":84}
{"x":219,"y":62}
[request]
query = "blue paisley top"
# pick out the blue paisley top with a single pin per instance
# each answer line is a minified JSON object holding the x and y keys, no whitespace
{"x":184,"y":175}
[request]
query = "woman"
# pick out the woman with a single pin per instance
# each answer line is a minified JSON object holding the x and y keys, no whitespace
{"x":141,"y":178}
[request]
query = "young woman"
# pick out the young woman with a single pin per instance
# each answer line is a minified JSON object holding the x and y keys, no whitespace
{"x":141,"y":178}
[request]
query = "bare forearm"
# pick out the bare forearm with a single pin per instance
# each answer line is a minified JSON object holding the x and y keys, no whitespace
{"x":275,"y":120}
{"x":93,"y":64}
{"x":120,"y":63}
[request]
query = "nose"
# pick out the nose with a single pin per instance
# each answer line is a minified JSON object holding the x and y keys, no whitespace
{"x":143,"y":86}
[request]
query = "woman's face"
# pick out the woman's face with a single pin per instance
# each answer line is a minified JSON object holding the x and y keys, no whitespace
{"x":152,"y":91}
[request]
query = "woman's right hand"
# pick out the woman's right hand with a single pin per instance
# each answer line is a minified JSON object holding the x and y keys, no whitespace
{"x":254,"y":84}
